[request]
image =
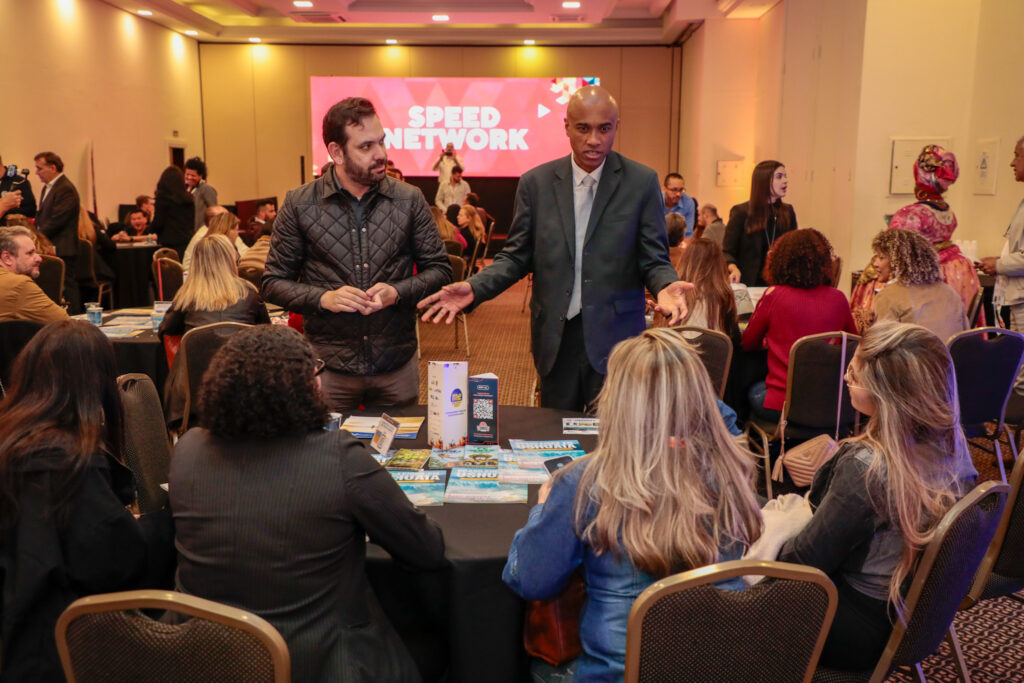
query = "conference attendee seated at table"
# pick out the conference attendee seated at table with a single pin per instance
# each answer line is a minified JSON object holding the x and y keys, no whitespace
{"x":878,"y":501}
{"x":43,"y":244}
{"x":272,"y":512}
{"x":710,"y":226}
{"x":666,"y":490}
{"x":138,"y":228}
{"x":145,"y":202}
{"x":266,"y":212}
{"x":675,"y":226}
{"x":67,"y":532}
{"x":256,"y":255}
{"x":218,"y":222}
{"x":711,"y":303}
{"x":800,"y":301}
{"x":91,"y":230}
{"x":449,"y":233}
{"x":471,"y":227}
{"x":20,"y":297}
{"x":916,"y":292}
{"x":473,"y":199}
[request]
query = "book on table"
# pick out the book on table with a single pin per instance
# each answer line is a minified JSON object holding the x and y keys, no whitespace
{"x":532,"y":454}
{"x":424,"y":488}
{"x":481,"y":485}
{"x":408,"y":459}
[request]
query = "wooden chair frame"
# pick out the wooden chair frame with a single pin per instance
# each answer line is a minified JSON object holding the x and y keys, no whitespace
{"x":215,"y":612}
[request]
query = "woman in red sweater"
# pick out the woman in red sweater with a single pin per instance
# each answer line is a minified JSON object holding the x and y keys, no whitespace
{"x":801,"y":301}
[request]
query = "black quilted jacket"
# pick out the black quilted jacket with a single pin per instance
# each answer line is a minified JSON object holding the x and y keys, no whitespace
{"x":316,"y":247}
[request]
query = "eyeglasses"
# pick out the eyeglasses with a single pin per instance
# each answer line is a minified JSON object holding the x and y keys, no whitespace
{"x":318,"y":366}
{"x":851,"y":377}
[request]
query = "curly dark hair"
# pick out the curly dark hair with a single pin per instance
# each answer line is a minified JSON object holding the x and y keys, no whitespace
{"x":262,"y":383}
{"x":912,"y":258}
{"x":800,"y":258}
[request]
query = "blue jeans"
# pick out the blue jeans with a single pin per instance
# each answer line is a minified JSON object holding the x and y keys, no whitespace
{"x":756,"y":397}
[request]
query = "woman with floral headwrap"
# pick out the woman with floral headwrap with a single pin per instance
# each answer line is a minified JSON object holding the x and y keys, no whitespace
{"x":934,"y":171}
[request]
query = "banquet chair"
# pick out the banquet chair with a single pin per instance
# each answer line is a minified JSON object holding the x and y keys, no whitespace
{"x":197,"y":349}
{"x":147,"y":445}
{"x":51,"y":278}
{"x":813,"y":384}
{"x":941,"y":580}
{"x":715,"y":349}
{"x":168,"y":277}
{"x":974,"y":309}
{"x":454,"y":248}
{"x":166,"y":252}
{"x":106,"y":638}
{"x":87,"y":273}
{"x":459,"y":274}
{"x":486,"y":253}
{"x":14,"y":335}
{"x":471,"y":262}
{"x":1002,"y":571}
{"x":986,"y":369}
{"x":778,"y":625}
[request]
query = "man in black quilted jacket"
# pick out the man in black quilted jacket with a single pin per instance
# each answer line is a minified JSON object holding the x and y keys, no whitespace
{"x":343,"y":253}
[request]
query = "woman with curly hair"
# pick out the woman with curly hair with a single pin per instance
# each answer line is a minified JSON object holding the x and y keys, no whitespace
{"x":801,"y":301}
{"x":755,"y":225}
{"x":272,"y":512}
{"x":666,"y":490}
{"x":916,"y":292}
{"x":879,"y":500}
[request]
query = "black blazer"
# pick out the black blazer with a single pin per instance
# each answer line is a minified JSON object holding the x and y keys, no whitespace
{"x":748,"y":252}
{"x":173,"y":222}
{"x":625,"y":250}
{"x":57,"y":217}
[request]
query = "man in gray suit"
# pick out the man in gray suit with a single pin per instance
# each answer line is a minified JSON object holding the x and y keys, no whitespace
{"x":591,"y":229}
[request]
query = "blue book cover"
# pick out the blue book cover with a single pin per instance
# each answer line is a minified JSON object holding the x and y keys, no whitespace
{"x":424,"y":488}
{"x":481,"y":485}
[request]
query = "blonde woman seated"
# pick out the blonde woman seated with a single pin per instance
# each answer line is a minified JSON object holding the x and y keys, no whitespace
{"x":217,"y":221}
{"x":878,"y":501}
{"x":916,"y":292}
{"x":665,"y":491}
{"x":449,"y":233}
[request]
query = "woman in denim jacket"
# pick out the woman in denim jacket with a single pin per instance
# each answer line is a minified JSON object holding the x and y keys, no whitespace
{"x":667,"y":489}
{"x":878,"y":501}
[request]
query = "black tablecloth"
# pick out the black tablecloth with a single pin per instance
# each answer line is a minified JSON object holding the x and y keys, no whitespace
{"x":465,"y":619}
{"x":133,"y":266}
{"x":142,"y":353}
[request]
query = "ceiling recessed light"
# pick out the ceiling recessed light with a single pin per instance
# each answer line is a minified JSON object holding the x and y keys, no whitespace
{"x":191,"y":33}
{"x":571,"y":4}
{"x":440,"y":17}
{"x":303,"y":3}
{"x":145,"y":13}
{"x":255,"y":40}
{"x":529,"y":41}
{"x":391,"y":41}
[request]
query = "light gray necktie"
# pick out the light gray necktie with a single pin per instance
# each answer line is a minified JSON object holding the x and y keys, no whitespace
{"x":584,"y":203}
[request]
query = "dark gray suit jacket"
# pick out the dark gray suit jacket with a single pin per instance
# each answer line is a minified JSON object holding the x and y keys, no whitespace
{"x":625,"y":250}
{"x":57,"y":217}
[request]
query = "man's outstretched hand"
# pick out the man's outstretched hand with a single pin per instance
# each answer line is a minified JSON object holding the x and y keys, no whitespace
{"x":447,"y":303}
{"x":672,"y":302}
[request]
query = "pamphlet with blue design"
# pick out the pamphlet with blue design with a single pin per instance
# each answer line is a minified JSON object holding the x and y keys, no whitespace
{"x":532,"y":454}
{"x":481,"y":485}
{"x":424,"y":488}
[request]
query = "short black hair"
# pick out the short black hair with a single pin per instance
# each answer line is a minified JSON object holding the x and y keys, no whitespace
{"x":51,"y":159}
{"x":670,"y":176}
{"x":198,"y":165}
{"x":349,"y":112}
{"x":128,"y":216}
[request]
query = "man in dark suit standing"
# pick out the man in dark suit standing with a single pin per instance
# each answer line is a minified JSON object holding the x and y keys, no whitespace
{"x":591,"y":229}
{"x":57,"y":218}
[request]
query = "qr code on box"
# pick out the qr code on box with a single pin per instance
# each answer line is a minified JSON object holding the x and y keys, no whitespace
{"x":483,"y":408}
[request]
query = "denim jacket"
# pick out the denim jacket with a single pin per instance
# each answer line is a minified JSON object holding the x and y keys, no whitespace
{"x":547,"y":551}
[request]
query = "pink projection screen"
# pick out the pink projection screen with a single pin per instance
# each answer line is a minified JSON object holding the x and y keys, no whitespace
{"x":501,"y":127}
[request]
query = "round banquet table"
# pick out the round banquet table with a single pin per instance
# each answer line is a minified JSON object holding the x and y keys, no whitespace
{"x":133,"y":264}
{"x":464,"y":620}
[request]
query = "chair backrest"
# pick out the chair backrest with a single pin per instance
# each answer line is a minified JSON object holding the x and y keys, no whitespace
{"x":168,"y":276}
{"x":816,"y":368}
{"x":1005,"y":555}
{"x":458,"y":268}
{"x":477,"y":246}
{"x":943,"y":576}
{"x":197,"y":349}
{"x":837,"y":270}
{"x":147,"y":446}
{"x":777,"y":625}
{"x":453,"y":247}
{"x":252,"y":274}
{"x":86,"y":264}
{"x":14,"y":335}
{"x":715,"y":352}
{"x":51,"y":278}
{"x":106,"y":638}
{"x":986,"y":369}
{"x":974,"y":309}
{"x":166,"y":252}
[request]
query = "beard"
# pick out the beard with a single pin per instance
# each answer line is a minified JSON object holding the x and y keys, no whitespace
{"x":364,"y":175}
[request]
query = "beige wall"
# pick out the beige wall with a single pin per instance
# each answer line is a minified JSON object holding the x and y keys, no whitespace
{"x":81,"y":75}
{"x":256,"y":98}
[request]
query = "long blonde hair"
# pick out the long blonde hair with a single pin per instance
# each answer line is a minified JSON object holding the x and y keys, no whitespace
{"x":446,"y":229}
{"x":915,"y":436}
{"x":222,"y":224}
{"x":213,"y":283}
{"x":476,"y":224}
{"x":669,"y":484}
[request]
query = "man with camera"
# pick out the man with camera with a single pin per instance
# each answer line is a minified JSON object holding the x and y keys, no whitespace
{"x":12,"y":181}
{"x":445,"y":163}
